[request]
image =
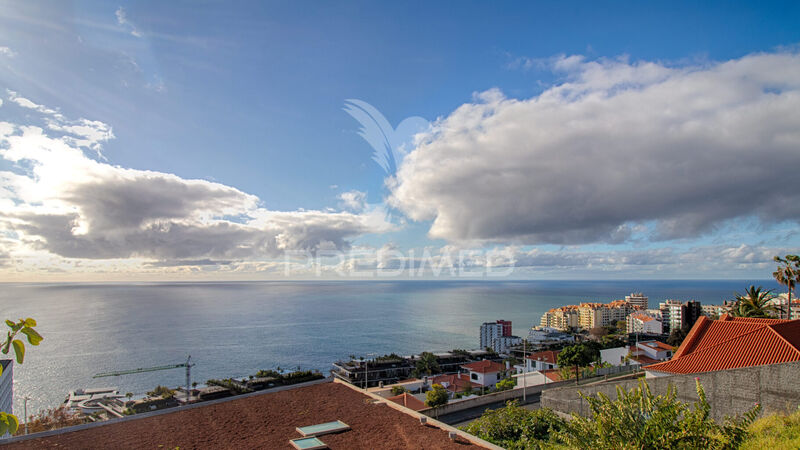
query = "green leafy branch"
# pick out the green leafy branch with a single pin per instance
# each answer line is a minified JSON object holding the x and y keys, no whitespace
{"x":24,"y":326}
{"x":9,"y":422}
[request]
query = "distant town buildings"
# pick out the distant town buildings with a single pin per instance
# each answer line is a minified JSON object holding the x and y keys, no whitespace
{"x":497,"y":336}
{"x":781,"y":301}
{"x":590,"y":315}
{"x":539,"y":337}
{"x":593,"y":315}
{"x":714,"y":311}
{"x":637,"y":299}
{"x":562,"y":318}
{"x":645,"y":323}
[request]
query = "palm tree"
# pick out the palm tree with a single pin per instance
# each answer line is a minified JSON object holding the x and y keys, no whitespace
{"x":755,"y":303}
{"x":427,"y":364}
{"x":787,"y":274}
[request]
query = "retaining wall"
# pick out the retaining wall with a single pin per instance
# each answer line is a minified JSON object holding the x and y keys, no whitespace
{"x":729,"y":392}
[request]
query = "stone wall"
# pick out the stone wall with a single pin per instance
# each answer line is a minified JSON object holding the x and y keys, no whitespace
{"x":729,"y":392}
{"x":511,"y":394}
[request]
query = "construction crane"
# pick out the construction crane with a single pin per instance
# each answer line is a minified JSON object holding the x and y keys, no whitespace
{"x":188,"y":365}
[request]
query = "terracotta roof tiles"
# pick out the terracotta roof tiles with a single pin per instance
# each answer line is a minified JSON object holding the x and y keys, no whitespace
{"x":730,"y":343}
{"x":409,"y":401}
{"x":548,"y":356}
{"x":484,"y":366}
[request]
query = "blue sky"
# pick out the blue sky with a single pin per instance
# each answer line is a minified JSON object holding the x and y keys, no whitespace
{"x":251,"y":96}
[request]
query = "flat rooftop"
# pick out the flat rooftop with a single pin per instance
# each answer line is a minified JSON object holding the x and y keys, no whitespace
{"x":262,"y":421}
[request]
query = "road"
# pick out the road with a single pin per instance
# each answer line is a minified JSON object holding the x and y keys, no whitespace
{"x":466,"y":416}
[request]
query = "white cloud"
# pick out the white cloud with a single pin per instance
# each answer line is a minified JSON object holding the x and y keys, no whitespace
{"x":353,"y":200}
{"x":7,"y":52}
{"x":59,"y":203}
{"x":122,"y":19}
{"x":25,"y":103}
{"x":619,"y":144}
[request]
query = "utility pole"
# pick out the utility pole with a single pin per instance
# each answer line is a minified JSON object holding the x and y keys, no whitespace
{"x":366,"y":373}
{"x":188,"y":378}
{"x":524,"y":370}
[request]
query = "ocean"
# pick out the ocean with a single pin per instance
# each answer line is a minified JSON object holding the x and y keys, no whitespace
{"x":233,"y":329}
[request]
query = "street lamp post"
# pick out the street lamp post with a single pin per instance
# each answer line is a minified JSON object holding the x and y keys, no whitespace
{"x":366,"y":373}
{"x":25,"y":403}
{"x":524,"y":371}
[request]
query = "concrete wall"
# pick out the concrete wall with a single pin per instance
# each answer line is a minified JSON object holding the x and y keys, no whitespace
{"x":494,"y":397}
{"x":729,"y":392}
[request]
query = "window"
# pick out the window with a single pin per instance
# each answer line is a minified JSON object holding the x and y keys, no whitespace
{"x":473,"y":376}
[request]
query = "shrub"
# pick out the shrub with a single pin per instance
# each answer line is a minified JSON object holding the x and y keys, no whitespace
{"x":514,"y":427}
{"x":437,"y":396}
{"x":776,"y":431}
{"x":52,"y":419}
{"x":397,"y":390}
{"x":162,"y":391}
{"x":638,"y":419}
{"x":504,"y":385}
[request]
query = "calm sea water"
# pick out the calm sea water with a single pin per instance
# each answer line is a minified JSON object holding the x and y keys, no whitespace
{"x":235,"y":329}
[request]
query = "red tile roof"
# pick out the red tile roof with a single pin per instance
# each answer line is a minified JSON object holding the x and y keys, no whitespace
{"x":552,"y":374}
{"x":730,"y":343}
{"x":484,"y":366}
{"x":455,"y":382}
{"x":642,"y":317}
{"x":409,"y":401}
{"x":548,"y":356}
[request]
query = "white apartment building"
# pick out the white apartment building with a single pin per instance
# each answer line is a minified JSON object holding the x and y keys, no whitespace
{"x":670,"y":314}
{"x":492,"y":337}
{"x":543,"y":336}
{"x":504,"y":343}
{"x":637,"y":299}
{"x":542,"y":361}
{"x":490,"y":332}
{"x":640,"y":322}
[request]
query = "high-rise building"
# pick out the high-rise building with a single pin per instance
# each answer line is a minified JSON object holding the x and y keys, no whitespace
{"x":493,"y":336}
{"x":670,"y":314}
{"x":506,"y":327}
{"x":677,"y":315}
{"x":490,"y":332}
{"x":637,"y":299}
{"x":690,"y":312}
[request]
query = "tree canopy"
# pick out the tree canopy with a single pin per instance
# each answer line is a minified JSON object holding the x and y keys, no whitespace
{"x":755,"y":302}
{"x":427,"y":364}
{"x":437,"y":396}
{"x":578,"y":355}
